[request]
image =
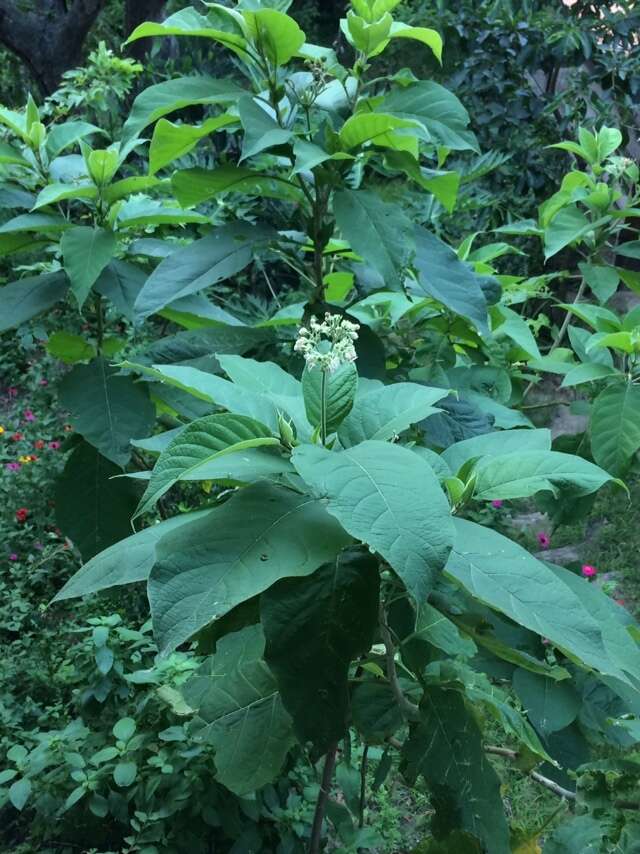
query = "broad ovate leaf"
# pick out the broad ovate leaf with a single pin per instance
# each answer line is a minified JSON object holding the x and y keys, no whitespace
{"x":201,"y":442}
{"x":389,"y":498}
{"x":262,"y":534}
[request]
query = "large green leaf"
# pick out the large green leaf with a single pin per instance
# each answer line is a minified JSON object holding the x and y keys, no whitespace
{"x":446,"y":748}
{"x":615,"y":427}
{"x":445,"y":120}
{"x":197,"y":347}
{"x":315,"y":627}
{"x":219,"y":255}
{"x":126,"y":562}
{"x":261,"y":130}
{"x":569,"y":225}
{"x":92,"y":507}
{"x":339,"y":392}
{"x":202,"y":442}
{"x":213,"y":389}
{"x":550,"y":705}
{"x":121,"y":282}
{"x":278,"y":36}
{"x":389,"y":498}
{"x":24,"y":299}
{"x":37,"y":221}
{"x":262,"y":534}
{"x":448,"y":280}
{"x":53,"y":193}
{"x":519,"y":474}
{"x":86,"y":252}
{"x":171,"y":141}
{"x":172,"y":95}
{"x":239,"y":711}
{"x":504,"y":576}
{"x":107,"y":409}
{"x":380,"y":232}
{"x":495,"y":444}
{"x":388,"y":411}
{"x":378,"y":129}
{"x":193,"y":186}
{"x":188,"y":22}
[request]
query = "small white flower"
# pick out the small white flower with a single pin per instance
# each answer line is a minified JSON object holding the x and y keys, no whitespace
{"x":334,"y":331}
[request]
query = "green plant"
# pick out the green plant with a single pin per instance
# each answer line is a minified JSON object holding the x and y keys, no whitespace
{"x":591,"y":216}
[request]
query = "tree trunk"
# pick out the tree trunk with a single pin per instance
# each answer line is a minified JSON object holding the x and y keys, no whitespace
{"x":137,"y":12}
{"x":49,"y":41}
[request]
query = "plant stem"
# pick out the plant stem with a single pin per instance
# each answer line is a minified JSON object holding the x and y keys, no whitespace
{"x":363,"y":783}
{"x":323,"y":797}
{"x":99,"y":322}
{"x":323,"y":408}
{"x":410,"y":711}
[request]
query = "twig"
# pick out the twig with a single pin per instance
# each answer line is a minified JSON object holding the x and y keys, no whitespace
{"x":363,"y":783}
{"x":410,"y":711}
{"x":323,"y":797}
{"x":535,"y":775}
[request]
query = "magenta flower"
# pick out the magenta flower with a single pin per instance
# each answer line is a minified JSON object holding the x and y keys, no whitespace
{"x":12,"y":392}
{"x":28,"y":415}
{"x":497,"y":503}
{"x":55,"y":445}
{"x":543,"y":539}
{"x":589,"y":571}
{"x":13,"y":556}
{"x":12,"y":466}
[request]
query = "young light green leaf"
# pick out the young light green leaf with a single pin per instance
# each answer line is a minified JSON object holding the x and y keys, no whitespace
{"x":171,"y":141}
{"x":390,"y":499}
{"x":277,"y":35}
{"x":431,"y":38}
{"x":70,"y":348}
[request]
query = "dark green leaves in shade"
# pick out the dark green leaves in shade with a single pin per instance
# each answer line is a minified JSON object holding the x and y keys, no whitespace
{"x":380,"y":232}
{"x":239,"y":711}
{"x":92,"y":507}
{"x":219,"y":255}
{"x":24,"y":299}
{"x":389,"y":498}
{"x":108,"y":410}
{"x":443,"y":276}
{"x":550,"y":705}
{"x":446,"y":748}
{"x":262,"y":534}
{"x":315,"y":626}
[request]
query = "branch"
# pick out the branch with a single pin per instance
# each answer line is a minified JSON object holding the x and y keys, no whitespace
{"x":410,"y":711}
{"x":323,"y":797}
{"x":535,"y":775}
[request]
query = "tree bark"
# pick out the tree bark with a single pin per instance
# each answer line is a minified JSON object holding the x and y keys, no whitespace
{"x":48,"y":39}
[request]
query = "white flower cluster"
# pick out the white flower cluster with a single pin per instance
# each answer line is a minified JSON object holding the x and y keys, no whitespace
{"x":329,"y":344}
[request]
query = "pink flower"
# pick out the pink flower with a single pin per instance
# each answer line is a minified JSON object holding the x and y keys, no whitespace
{"x":13,"y":466}
{"x":621,"y":602}
{"x":28,"y":415}
{"x":55,"y":445}
{"x":12,"y":392}
{"x":44,"y":382}
{"x":545,"y":641}
{"x":589,"y":571}
{"x":497,"y":503}
{"x":543,"y":539}
{"x":13,"y":556}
